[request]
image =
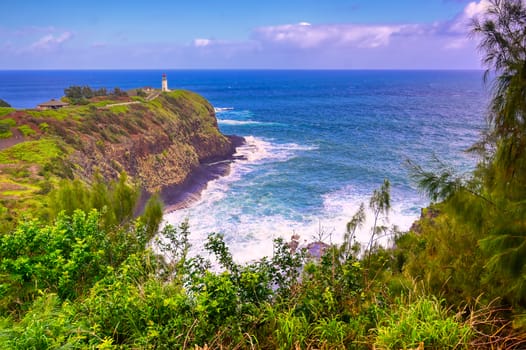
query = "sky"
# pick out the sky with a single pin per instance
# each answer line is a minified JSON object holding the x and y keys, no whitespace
{"x":238,"y":34}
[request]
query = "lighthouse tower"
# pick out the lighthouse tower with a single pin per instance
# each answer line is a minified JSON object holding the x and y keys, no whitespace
{"x":164,"y":86}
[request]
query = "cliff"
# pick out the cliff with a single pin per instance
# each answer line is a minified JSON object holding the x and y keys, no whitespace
{"x":158,"y":143}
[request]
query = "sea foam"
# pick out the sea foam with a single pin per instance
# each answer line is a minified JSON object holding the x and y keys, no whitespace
{"x":242,"y":122}
{"x":249,"y":233}
{"x":250,"y":225}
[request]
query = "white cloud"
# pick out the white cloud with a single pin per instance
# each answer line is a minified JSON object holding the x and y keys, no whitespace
{"x":202,"y":42}
{"x":459,"y":27}
{"x":50,"y":41}
{"x":306,"y":36}
{"x":472,"y":10}
{"x":439,"y":44}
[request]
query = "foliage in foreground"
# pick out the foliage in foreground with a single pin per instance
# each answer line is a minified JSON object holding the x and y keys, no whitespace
{"x":95,"y":279}
{"x":92,"y":277}
{"x":476,"y":244}
{"x":133,"y":298}
{"x":423,"y":322}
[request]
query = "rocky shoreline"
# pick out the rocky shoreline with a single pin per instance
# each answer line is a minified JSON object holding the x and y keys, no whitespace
{"x":182,"y":195}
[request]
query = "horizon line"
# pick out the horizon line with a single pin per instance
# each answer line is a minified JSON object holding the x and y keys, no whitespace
{"x":239,"y":69}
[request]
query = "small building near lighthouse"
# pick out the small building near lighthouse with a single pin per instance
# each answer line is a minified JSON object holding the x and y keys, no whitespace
{"x":164,"y":85}
{"x":52,"y":104}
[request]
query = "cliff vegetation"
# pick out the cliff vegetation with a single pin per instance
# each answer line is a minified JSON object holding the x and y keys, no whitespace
{"x":157,"y":142}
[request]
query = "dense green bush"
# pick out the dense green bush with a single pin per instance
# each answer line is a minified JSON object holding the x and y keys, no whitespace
{"x":26,"y":130}
{"x":5,"y":127}
{"x":423,"y":322}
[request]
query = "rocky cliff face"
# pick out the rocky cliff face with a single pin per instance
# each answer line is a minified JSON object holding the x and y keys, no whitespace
{"x":158,"y":143}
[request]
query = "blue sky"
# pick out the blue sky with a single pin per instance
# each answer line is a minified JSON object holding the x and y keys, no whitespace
{"x":210,"y":34}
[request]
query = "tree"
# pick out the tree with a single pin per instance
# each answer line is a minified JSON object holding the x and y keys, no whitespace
{"x":141,"y":93}
{"x":380,"y":204}
{"x":152,"y":215}
{"x":503,"y":40}
{"x":116,"y":200}
{"x":118,"y":92}
{"x":493,"y":200}
{"x":4,"y":103}
{"x":87,"y":92}
{"x":101,"y":92}
{"x":79,"y":94}
{"x":73,"y":92}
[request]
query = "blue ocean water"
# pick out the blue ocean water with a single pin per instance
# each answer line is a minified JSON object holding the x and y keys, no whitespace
{"x":318,"y":142}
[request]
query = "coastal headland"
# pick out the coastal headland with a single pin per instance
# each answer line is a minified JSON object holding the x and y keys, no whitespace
{"x":169,"y":144}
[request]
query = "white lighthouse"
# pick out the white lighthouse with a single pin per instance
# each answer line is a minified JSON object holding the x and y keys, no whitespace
{"x":164,"y":86}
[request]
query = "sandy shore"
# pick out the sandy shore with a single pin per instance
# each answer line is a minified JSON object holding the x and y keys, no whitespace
{"x":181,"y":196}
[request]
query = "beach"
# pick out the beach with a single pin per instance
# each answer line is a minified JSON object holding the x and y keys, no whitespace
{"x":183,"y":195}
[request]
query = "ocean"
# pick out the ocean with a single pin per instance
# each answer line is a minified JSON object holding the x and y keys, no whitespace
{"x":318,"y":143}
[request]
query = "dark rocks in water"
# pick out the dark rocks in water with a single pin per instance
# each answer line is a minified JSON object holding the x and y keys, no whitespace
{"x":294,"y":242}
{"x":236,"y":141}
{"x":317,"y":249}
{"x":314,"y":249}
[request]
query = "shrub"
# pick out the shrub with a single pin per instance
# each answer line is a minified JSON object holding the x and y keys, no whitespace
{"x":6,"y":111}
{"x":5,"y":127}
{"x":291,"y":331}
{"x":6,"y":134}
{"x":39,"y":152}
{"x":26,"y":130}
{"x":8,"y":121}
{"x":44,"y":326}
{"x":425,"y":321}
{"x":43,"y":126}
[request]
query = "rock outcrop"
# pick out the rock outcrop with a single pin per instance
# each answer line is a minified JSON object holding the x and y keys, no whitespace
{"x":158,"y":143}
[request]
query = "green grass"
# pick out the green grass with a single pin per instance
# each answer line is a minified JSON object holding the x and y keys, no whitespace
{"x":11,"y":188}
{"x":154,"y":104}
{"x":26,"y":130}
{"x":6,"y":111}
{"x":102,"y":103}
{"x":425,"y":321}
{"x":43,"y":126}
{"x":119,"y":109}
{"x":138,"y":98}
{"x":8,"y":121}
{"x":59,"y":114}
{"x":6,"y":134}
{"x":73,"y":112}
{"x":39,"y":152}
{"x":27,"y":191}
{"x":5,"y":127}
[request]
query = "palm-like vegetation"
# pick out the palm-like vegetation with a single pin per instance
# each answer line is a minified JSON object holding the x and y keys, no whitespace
{"x":492,"y":202}
{"x":503,"y":40}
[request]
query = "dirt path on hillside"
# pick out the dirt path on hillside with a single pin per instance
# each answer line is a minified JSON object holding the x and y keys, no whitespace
{"x":13,"y":140}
